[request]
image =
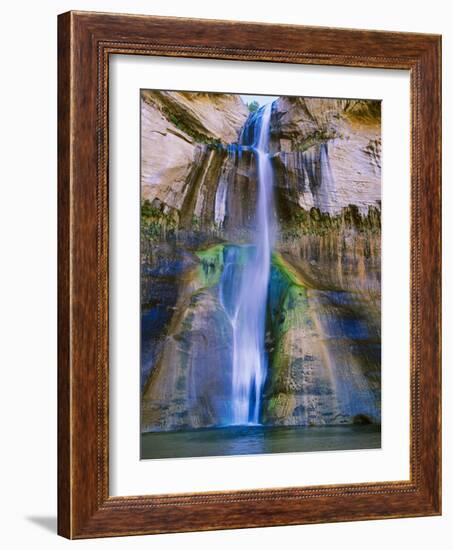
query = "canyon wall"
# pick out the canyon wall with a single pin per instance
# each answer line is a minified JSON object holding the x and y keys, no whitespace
{"x":199,"y":191}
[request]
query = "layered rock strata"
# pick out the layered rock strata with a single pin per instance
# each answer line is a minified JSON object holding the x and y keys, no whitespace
{"x":199,"y":194}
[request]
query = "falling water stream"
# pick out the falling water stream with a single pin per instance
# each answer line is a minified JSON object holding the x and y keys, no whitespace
{"x":330,"y":346}
{"x":245,"y":281}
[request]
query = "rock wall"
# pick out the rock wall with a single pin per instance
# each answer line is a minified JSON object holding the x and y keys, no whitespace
{"x":323,"y":337}
{"x":322,"y":340}
{"x":327,"y":153}
{"x":176,"y":128}
{"x":326,"y":156}
{"x":199,"y":190}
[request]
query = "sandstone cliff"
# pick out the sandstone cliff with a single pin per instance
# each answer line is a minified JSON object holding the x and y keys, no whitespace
{"x":328,"y":153}
{"x":199,"y":194}
{"x":327,"y":156}
{"x":176,"y":127}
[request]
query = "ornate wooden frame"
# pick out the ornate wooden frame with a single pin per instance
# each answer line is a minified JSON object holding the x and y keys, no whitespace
{"x":85,"y":41}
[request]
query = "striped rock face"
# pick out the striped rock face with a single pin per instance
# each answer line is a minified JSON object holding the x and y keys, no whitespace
{"x":260,"y":262}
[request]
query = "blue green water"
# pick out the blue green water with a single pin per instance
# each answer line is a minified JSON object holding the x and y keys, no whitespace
{"x":248,"y":440}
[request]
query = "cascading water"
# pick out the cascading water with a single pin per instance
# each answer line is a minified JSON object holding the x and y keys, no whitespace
{"x":253,"y":330}
{"x":245,"y":281}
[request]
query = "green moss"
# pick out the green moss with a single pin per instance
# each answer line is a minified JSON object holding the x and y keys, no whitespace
{"x":155,"y":223}
{"x":212,"y":262}
{"x":292,"y":310}
{"x":185,"y":127}
{"x":279,"y":404}
{"x":285,"y":270}
{"x":288,"y":309}
{"x":317,"y":137}
{"x":195,"y":223}
{"x":365,"y":111}
{"x":315,"y":222}
{"x":211,"y":266}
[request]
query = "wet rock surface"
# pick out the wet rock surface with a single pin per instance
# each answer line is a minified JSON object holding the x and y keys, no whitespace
{"x":199,"y":190}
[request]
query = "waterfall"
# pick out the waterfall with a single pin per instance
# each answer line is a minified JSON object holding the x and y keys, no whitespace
{"x":246,"y":323}
{"x":245,"y":281}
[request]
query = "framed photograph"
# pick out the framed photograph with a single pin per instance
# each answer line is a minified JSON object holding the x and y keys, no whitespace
{"x":249,"y":275}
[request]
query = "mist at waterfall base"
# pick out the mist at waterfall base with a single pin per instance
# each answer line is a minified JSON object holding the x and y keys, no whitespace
{"x":247,"y":289}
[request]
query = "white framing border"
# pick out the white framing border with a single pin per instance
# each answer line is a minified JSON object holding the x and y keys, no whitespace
{"x":128,"y":474}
